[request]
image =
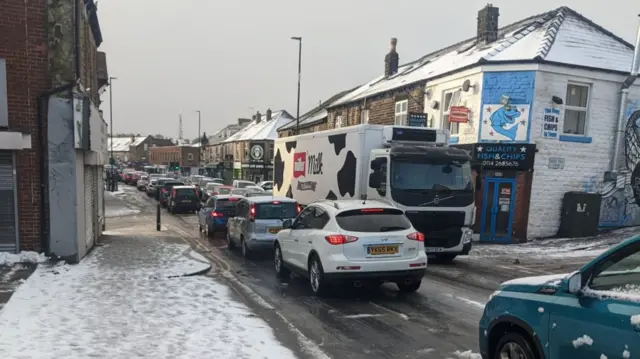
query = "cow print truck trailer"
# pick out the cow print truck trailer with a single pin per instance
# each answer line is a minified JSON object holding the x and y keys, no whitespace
{"x":411,"y":168}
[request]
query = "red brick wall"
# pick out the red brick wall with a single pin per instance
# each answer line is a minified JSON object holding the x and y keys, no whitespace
{"x":23,"y":46}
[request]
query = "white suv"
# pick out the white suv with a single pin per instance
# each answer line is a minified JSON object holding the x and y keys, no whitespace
{"x":348,"y":240}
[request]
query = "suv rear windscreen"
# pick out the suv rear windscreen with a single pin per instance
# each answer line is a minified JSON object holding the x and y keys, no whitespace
{"x":186,"y":192}
{"x":276,"y":210}
{"x":373,"y":220}
{"x":170,"y":185}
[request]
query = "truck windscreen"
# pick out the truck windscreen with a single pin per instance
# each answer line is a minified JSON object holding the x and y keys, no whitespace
{"x":416,"y":174}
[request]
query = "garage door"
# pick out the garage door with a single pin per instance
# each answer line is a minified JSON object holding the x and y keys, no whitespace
{"x":8,"y":227}
{"x":89,"y":181}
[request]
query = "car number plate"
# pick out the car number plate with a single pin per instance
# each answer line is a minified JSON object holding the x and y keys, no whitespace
{"x":274,"y":230}
{"x":186,"y":201}
{"x":382,"y":250}
{"x":434,"y":249}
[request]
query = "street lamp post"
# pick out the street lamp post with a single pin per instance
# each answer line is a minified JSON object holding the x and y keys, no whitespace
{"x":299,"y":39}
{"x":199,"y":140}
{"x":112,"y":179}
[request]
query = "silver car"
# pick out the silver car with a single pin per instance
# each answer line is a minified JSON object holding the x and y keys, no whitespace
{"x":257,"y":221}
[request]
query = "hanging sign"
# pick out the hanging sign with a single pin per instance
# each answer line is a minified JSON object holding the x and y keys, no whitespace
{"x":459,"y":114}
{"x":550,"y":123}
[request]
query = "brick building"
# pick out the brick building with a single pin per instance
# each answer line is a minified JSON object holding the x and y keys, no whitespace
{"x":185,"y":156}
{"x":538,"y":111}
{"x":39,"y":66}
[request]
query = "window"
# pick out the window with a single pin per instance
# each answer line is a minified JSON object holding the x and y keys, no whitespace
{"x":451,"y":98}
{"x":620,"y":272}
{"x":145,"y":146}
{"x":402,"y":109}
{"x":302,"y":222}
{"x":276,"y":210}
{"x":575,"y":111}
{"x":190,"y":156}
{"x":365,"y":116}
{"x":338,"y":121}
{"x":373,"y":220}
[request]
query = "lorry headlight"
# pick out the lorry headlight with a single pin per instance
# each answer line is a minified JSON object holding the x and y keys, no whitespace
{"x":466,"y":236}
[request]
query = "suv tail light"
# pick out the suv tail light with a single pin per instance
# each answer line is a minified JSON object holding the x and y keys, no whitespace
{"x":216,"y":214}
{"x":337,"y":239}
{"x":416,"y":236}
{"x":164,"y":190}
{"x":298,"y":208}
{"x":252,"y":212}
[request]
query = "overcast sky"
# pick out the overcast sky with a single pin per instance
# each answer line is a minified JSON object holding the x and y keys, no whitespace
{"x":230,"y":59}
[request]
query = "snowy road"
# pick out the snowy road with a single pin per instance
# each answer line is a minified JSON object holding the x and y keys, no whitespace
{"x":439,"y":321}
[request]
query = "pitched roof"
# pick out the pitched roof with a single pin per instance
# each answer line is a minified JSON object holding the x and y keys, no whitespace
{"x":122,"y":144}
{"x":317,"y":114}
{"x":560,"y":36}
{"x":263,"y":129}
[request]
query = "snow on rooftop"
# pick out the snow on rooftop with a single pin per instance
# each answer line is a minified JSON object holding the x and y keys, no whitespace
{"x":561,"y":36}
{"x":122,"y":144}
{"x":262,"y":130}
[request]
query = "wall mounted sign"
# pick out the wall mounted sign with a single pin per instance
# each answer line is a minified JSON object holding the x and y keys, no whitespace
{"x":416,"y":119}
{"x":556,"y":163}
{"x":505,"y":156}
{"x":459,"y":114}
{"x":257,"y":152}
{"x":550,"y":123}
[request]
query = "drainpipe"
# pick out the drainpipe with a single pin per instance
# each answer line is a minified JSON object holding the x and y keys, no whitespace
{"x":624,"y":96}
{"x":42,"y":101}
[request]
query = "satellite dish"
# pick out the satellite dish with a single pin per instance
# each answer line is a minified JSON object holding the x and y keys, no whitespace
{"x":466,"y":85}
{"x":434,"y":104}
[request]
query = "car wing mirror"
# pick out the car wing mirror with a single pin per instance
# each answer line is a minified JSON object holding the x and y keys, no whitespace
{"x":574,"y":283}
{"x":286,"y":224}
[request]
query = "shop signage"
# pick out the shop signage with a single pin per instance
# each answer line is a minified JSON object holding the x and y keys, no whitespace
{"x":550,"y":123}
{"x":459,"y":114}
{"x":257,"y":152}
{"x":416,"y":119}
{"x":505,"y":156}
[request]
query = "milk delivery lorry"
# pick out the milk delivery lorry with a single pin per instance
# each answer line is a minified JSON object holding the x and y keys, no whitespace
{"x":411,"y":168}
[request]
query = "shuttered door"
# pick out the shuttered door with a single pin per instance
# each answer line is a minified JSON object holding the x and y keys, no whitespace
{"x":95,"y":200}
{"x":101,"y":184}
{"x":88,"y":205}
{"x":8,"y":227}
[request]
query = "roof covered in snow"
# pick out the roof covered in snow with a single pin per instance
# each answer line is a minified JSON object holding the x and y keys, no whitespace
{"x":316,"y":115}
{"x":561,"y":36}
{"x":122,"y":144}
{"x":262,"y":129}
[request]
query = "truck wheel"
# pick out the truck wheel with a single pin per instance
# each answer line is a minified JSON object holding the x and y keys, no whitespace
{"x":409,"y":287}
{"x":281,"y":271}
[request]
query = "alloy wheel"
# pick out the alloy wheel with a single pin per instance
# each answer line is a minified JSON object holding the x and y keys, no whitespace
{"x":314,"y":275}
{"x":277,"y":260}
{"x":512,"y":350}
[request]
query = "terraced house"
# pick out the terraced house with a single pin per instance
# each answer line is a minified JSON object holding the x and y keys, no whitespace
{"x":547,"y":106}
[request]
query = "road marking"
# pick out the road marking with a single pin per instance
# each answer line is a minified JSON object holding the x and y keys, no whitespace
{"x":466,"y":300}
{"x":358,"y":316}
{"x":401,"y":315}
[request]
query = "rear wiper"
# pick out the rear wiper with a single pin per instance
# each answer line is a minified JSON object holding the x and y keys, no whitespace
{"x":391,"y":228}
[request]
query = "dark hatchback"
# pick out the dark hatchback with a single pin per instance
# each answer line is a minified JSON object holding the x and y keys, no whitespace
{"x":165,"y":191}
{"x":216,"y":212}
{"x":183,"y":199}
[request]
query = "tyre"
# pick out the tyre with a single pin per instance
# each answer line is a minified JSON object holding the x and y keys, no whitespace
{"x":246,"y":252}
{"x":514,"y":346}
{"x":409,"y":287}
{"x":316,"y":277}
{"x":210,"y":232}
{"x":230,"y":242}
{"x":199,"y":226}
{"x":281,"y":270}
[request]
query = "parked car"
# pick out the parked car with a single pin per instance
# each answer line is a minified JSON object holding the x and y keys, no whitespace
{"x":246,"y":190}
{"x":165,"y":191}
{"x":351,"y":241}
{"x":135,"y":177}
{"x":214,"y":189}
{"x":183,"y":199}
{"x":242,"y":184}
{"x":127,"y":174}
{"x":266,"y":185}
{"x":258,"y":194}
{"x":193,"y":179}
{"x":142,"y":183}
{"x":153,"y":190}
{"x":257,"y":222}
{"x":592,"y":312}
{"x":215,"y":213}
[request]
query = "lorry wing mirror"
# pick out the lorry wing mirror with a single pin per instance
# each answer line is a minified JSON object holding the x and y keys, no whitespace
{"x":374,"y":180}
{"x":376,"y":163}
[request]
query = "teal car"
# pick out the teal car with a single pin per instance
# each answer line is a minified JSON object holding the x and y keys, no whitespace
{"x":593,"y":312}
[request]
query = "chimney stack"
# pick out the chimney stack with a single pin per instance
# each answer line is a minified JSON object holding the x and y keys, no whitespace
{"x":392,"y":59}
{"x":269,"y":114}
{"x":488,"y":24}
{"x":258,"y":117}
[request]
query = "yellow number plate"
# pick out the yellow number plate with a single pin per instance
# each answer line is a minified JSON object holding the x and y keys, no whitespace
{"x":378,"y":250}
{"x":274,"y":230}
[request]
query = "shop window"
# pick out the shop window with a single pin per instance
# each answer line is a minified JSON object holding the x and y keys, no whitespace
{"x":451,"y":98}
{"x":401,"y":112}
{"x":190,"y":156}
{"x":576,"y":109}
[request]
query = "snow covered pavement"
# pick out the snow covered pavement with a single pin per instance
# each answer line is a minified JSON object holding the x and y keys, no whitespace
{"x":125,"y":301}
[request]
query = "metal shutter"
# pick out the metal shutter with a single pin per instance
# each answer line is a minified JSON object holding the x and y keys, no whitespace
{"x":101,"y":184}
{"x":8,"y":226}
{"x":88,"y":205}
{"x":95,"y":200}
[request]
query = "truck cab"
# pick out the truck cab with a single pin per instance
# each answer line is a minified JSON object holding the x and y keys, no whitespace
{"x":431,"y":182}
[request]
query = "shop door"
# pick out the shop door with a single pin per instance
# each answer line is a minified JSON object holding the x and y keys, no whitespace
{"x":498,"y":203}
{"x":8,"y":213}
